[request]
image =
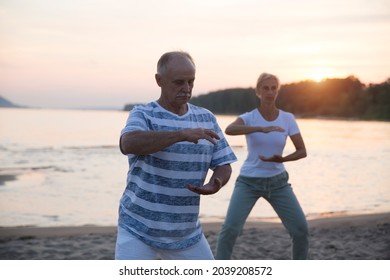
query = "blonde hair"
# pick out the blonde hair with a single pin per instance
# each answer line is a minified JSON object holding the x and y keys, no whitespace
{"x":266,"y":76}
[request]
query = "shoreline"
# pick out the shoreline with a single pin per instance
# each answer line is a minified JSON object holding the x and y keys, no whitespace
{"x":208,"y":224}
{"x":352,"y":237}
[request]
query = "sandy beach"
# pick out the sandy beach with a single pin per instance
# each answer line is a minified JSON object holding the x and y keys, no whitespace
{"x":357,"y":237}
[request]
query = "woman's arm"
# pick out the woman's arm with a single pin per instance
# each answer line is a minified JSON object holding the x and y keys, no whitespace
{"x":238,"y":128}
{"x":300,"y":151}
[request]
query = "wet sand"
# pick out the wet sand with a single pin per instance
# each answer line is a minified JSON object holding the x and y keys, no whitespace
{"x":353,"y":237}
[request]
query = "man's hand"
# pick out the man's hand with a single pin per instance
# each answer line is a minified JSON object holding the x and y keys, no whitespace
{"x":210,"y":188}
{"x":195,"y":134}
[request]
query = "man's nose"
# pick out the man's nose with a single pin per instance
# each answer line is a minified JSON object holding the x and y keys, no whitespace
{"x":186,"y":87}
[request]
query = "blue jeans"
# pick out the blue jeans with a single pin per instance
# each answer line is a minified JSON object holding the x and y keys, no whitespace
{"x":278,"y":192}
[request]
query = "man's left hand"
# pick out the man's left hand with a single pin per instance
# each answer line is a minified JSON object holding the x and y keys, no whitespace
{"x":210,"y":188}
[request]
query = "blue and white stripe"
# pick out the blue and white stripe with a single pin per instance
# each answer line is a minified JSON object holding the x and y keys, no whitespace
{"x":156,"y":206}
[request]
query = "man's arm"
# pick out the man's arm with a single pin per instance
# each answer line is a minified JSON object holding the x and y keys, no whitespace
{"x":149,"y":142}
{"x":220,"y":177}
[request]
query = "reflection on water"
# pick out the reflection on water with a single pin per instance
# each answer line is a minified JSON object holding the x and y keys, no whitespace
{"x":69,"y":170}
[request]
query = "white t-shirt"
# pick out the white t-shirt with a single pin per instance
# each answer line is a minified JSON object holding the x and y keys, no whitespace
{"x":266,"y":144}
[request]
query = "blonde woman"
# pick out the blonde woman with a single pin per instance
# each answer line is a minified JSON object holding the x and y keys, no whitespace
{"x":263,"y":174}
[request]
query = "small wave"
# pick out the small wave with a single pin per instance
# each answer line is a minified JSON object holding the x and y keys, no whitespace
{"x":326,"y":214}
{"x":2,"y":148}
{"x":53,"y":218}
{"x":50,"y":149}
{"x":18,"y":170}
{"x":91,"y":147}
{"x":52,"y":167}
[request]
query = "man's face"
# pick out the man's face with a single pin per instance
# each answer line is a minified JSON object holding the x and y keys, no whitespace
{"x":177,"y":81}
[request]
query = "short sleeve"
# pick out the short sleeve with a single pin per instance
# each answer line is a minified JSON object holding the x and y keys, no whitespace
{"x":136,"y":121}
{"x":292,"y":125}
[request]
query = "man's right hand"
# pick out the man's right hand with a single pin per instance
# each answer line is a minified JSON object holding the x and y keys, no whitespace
{"x":195,"y":134}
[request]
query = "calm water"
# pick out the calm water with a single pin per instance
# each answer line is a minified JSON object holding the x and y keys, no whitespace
{"x":69,"y":170}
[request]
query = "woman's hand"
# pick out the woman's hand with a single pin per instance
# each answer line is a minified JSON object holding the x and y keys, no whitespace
{"x":272,"y":129}
{"x":274,"y":158}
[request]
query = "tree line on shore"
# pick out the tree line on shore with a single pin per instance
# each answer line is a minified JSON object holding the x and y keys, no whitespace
{"x":330,"y":98}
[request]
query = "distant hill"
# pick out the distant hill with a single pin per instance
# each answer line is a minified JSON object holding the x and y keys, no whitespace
{"x":330,"y":98}
{"x":4,"y":103}
{"x":333,"y":98}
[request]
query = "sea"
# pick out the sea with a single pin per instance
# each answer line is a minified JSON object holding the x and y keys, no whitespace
{"x":64,"y":168}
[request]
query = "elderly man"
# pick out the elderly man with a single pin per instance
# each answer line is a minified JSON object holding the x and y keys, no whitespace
{"x":171,"y":145}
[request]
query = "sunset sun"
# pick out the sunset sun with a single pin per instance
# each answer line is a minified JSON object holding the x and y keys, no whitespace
{"x":319,"y":74}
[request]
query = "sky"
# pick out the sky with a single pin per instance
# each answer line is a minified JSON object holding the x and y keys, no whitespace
{"x":103,"y":53}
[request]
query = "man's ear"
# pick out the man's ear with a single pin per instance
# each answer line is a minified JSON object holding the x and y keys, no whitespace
{"x":158,"y":79}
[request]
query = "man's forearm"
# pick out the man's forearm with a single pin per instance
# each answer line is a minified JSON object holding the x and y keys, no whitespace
{"x":223,"y":173}
{"x":148,"y":142}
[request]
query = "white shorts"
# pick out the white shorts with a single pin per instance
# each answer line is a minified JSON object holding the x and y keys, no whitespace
{"x":128,"y":247}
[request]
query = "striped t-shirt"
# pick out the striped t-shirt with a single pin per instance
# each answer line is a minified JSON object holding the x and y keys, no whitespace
{"x":156,"y":206}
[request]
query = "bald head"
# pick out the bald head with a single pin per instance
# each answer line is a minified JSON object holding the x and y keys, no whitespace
{"x":169,"y":57}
